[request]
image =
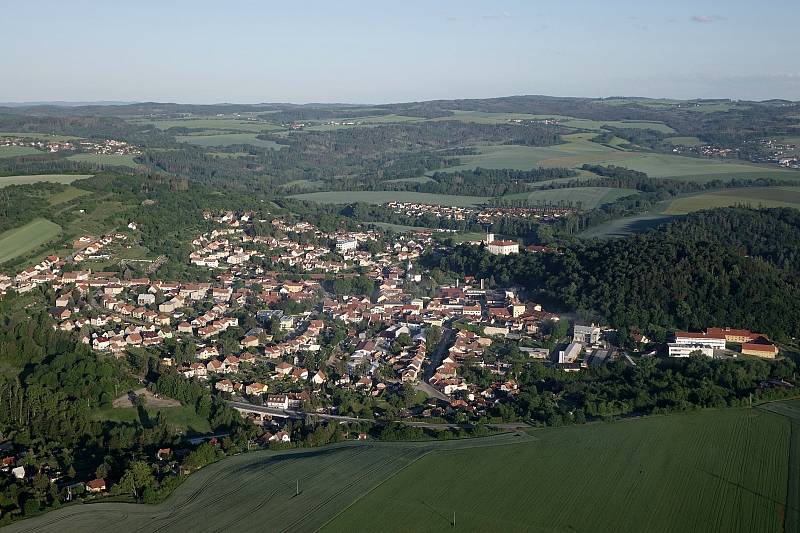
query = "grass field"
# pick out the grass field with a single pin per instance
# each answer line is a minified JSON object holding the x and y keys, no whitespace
{"x":674,"y":166}
{"x":68,"y":194}
{"x":105,"y":159}
{"x":686,"y":141}
{"x":590,"y":197}
{"x":19,"y":241}
{"x":751,"y":196}
{"x":381,"y":197}
{"x":223,"y":123}
{"x":257,"y":491}
{"x":712,"y":471}
{"x":13,"y":151}
{"x":183,"y":418}
{"x":5,"y":181}
{"x":227,"y":139}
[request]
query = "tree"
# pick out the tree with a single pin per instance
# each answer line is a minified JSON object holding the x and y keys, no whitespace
{"x":137,"y":478}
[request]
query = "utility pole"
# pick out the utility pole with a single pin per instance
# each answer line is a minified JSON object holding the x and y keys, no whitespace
{"x":454,"y":519}
{"x":297,"y":492}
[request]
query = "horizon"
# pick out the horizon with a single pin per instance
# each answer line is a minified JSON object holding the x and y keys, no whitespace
{"x":202,"y":53}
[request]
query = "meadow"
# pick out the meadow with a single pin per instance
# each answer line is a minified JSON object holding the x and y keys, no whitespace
{"x":714,"y":471}
{"x":13,"y":151}
{"x":382,"y":197}
{"x":21,"y":240}
{"x":105,"y":159}
{"x":750,"y":196}
{"x":223,"y":123}
{"x":5,"y":181}
{"x":182,"y":418}
{"x":589,"y":197}
{"x":227,"y":139}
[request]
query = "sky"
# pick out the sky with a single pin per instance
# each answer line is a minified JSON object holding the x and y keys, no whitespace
{"x":249,"y":51}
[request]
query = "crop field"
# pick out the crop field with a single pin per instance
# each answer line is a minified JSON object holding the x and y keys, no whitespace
{"x":589,"y":197}
{"x":621,"y":227}
{"x":751,"y":196}
{"x":382,"y":197}
{"x":19,"y":241}
{"x":715,"y":471}
{"x":5,"y":181}
{"x":105,"y":159}
{"x":674,"y":166}
{"x":258,"y":491}
{"x":686,"y":141}
{"x":13,"y":151}
{"x":228,"y":139}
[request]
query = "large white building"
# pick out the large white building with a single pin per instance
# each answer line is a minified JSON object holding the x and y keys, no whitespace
{"x":346,"y":245}
{"x":712,"y":340}
{"x":586,"y":334}
{"x":501,"y":247}
{"x":685,"y":350}
{"x":571,"y":353}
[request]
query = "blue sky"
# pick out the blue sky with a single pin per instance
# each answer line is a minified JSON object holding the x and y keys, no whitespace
{"x":371,"y":52}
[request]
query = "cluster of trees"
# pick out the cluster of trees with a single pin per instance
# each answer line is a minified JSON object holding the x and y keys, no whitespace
{"x":713,"y":268}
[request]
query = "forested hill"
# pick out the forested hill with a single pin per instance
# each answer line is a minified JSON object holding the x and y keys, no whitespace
{"x":725,"y":267}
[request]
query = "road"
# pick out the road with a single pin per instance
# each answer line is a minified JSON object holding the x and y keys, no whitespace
{"x":448,"y":335}
{"x":293,"y":413}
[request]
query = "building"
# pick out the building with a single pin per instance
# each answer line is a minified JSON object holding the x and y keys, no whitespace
{"x":685,"y":350}
{"x":767,"y":350}
{"x":570,"y":353}
{"x":739,"y":336}
{"x":586,"y":334}
{"x":501,"y":247}
{"x":713,"y":340}
{"x":346,"y":245}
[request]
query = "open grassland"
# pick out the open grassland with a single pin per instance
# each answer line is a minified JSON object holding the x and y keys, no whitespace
{"x":750,"y":196}
{"x":695,"y":168}
{"x":382,"y":197}
{"x":715,"y":471}
{"x":621,"y":227}
{"x":13,"y":151}
{"x":686,"y":141}
{"x":223,"y":123}
{"x":19,"y":241}
{"x":182,"y":418}
{"x":258,"y":491}
{"x":109,"y":160}
{"x":227,"y":139}
{"x":483,"y":117}
{"x":589,"y":197}
{"x":5,"y":181}
{"x":67,"y":195}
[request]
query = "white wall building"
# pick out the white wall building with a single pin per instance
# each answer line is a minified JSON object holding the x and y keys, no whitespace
{"x":346,"y":245}
{"x":716,"y":342}
{"x":685,"y":350}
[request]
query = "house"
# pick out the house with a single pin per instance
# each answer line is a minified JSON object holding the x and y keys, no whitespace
{"x":283,"y":368}
{"x":96,"y":485}
{"x":586,"y":334}
{"x":163,"y":454}
{"x":250,"y":341}
{"x":281,"y":436}
{"x":18,"y":472}
{"x":225,"y":385}
{"x":256,"y":389}
{"x":713,"y":340}
{"x":278,"y":401}
{"x":685,"y":350}
{"x":319,"y":378}
{"x":760,"y":349}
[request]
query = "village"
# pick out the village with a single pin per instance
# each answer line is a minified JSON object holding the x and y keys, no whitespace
{"x":105,"y":147}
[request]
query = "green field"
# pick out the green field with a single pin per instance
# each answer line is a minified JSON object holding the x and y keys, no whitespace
{"x":68,"y":194}
{"x":105,"y":159}
{"x":713,"y":471}
{"x":183,"y":418}
{"x":257,"y":491}
{"x":686,"y":141}
{"x":695,"y":168}
{"x":750,"y":196}
{"x":589,"y":197}
{"x":223,"y":123}
{"x":382,"y":197}
{"x":483,"y":117}
{"x":19,"y":241}
{"x":621,"y":227}
{"x":13,"y":151}
{"x":5,"y":181}
{"x":227,"y":139}
{"x":724,"y":471}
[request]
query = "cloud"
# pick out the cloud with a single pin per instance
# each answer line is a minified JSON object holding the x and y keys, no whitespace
{"x":703,"y":19}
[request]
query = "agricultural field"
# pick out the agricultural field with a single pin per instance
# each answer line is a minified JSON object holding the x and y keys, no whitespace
{"x":715,"y":471}
{"x":223,"y":123}
{"x":227,"y":139}
{"x":13,"y":151}
{"x":258,"y":491}
{"x":382,"y":197}
{"x":685,"y":141}
{"x":483,"y":117}
{"x":19,"y":241}
{"x":751,"y":196}
{"x":589,"y":197}
{"x":695,"y":168}
{"x":105,"y":159}
{"x":621,"y":227}
{"x":68,"y":194}
{"x":5,"y":181}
